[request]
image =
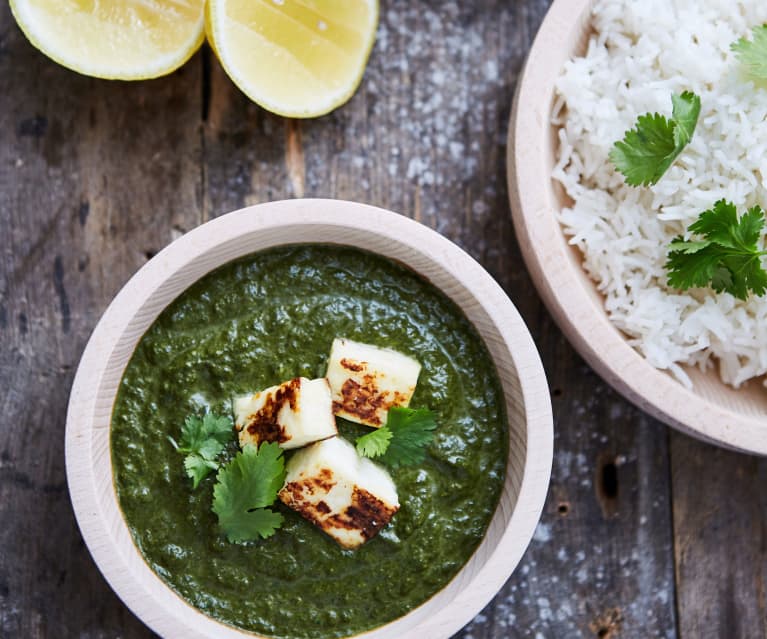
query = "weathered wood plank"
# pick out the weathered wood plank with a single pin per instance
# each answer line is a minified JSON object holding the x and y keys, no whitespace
{"x":96,"y":176}
{"x":601,"y":562}
{"x":244,"y":148}
{"x":720,"y":532}
{"x":93,"y":177}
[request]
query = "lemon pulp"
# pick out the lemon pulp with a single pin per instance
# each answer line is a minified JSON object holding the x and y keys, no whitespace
{"x":117,"y":39}
{"x":295,"y":58}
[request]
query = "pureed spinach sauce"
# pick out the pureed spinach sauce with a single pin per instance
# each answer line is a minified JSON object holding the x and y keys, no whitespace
{"x":260,"y":321}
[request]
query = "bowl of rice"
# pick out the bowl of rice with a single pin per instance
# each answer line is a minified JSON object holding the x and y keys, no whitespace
{"x":597,"y":248}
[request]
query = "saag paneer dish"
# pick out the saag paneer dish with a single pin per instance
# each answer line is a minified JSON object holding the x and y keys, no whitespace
{"x":309,"y":442}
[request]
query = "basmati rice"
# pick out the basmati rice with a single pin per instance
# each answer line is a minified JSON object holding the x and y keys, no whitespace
{"x":640,"y":53}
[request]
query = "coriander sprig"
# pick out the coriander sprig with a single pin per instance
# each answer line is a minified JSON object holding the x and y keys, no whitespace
{"x":727,"y":259}
{"x":752,"y":54}
{"x":244,"y":489}
{"x":403,"y":440}
{"x":203,"y":440}
{"x":375,"y":443}
{"x":646,"y":152}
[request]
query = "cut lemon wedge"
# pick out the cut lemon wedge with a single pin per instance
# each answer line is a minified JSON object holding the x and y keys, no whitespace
{"x":297,"y":58}
{"x":114,"y":39}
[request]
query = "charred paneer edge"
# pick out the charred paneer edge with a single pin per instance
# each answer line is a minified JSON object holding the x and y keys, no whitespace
{"x":349,"y":497}
{"x":293,"y":414}
{"x":366,"y":381}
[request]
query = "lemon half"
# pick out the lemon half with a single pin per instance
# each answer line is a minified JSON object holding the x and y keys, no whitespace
{"x":296,"y":58}
{"x":114,"y":39}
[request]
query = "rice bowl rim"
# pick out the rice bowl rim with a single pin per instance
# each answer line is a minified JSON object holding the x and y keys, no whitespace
{"x":712,"y":413}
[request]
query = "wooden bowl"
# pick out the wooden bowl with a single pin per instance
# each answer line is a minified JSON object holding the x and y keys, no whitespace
{"x":712,"y":411}
{"x":226,"y":238}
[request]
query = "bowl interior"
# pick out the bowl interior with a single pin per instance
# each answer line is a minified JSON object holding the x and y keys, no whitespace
{"x":712,"y":410}
{"x":238,"y":234}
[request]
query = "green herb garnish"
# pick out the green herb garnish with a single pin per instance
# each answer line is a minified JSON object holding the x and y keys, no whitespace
{"x":646,"y":152}
{"x":753,"y":53}
{"x":375,"y":443}
{"x":202,"y":439}
{"x":728,"y":259}
{"x":243,"y":490}
{"x":403,"y":440}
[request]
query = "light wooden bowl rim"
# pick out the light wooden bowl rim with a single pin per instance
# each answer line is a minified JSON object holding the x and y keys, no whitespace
{"x":135,"y":307}
{"x":564,"y":286}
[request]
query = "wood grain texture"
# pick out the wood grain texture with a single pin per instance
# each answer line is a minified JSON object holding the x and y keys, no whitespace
{"x":424,"y":135}
{"x":601,"y":560}
{"x":85,"y":166}
{"x":720,"y":509}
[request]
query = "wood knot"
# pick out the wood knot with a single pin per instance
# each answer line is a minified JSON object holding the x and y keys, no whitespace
{"x":608,"y":624}
{"x":607,"y":486}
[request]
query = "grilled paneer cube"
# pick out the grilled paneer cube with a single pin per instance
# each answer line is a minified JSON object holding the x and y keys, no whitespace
{"x":349,"y":497}
{"x":293,"y":414}
{"x":366,"y":381}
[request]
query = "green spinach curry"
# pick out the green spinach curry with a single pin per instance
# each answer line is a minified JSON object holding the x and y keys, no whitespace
{"x":257,"y":322}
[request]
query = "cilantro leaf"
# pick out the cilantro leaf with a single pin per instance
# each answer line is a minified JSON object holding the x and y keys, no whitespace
{"x":643,"y":152}
{"x":203,"y":439}
{"x":692,"y":264}
{"x":684,"y":114}
{"x":753,"y":53}
{"x":252,"y":524}
{"x":403,"y":440}
{"x":375,"y":443}
{"x":198,"y":434}
{"x":721,"y":225}
{"x":647,"y":151}
{"x":728,"y":259}
{"x":412,"y":430}
{"x":198,"y":468}
{"x":243,"y":489}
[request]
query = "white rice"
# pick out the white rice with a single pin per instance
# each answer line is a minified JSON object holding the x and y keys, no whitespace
{"x":642,"y":51}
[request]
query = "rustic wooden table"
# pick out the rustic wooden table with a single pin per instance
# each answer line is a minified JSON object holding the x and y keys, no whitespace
{"x":646,"y":533}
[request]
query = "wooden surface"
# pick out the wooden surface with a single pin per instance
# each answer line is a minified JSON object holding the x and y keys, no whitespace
{"x":646,"y":533}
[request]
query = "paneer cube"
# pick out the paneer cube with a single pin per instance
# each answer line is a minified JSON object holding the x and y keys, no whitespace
{"x":349,"y":497}
{"x":293,"y":414}
{"x":366,"y":381}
